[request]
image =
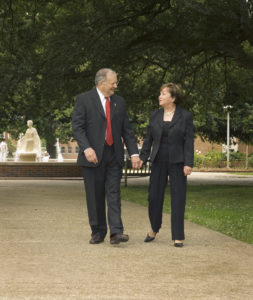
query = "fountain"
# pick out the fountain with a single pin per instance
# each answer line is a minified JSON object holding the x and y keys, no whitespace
{"x":45,"y":156}
{"x":3,"y":151}
{"x":31,"y":159}
{"x":58,"y":151}
{"x":29,"y":145}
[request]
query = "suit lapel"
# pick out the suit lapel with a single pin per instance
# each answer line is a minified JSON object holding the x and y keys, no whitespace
{"x":157,"y":123}
{"x":160,"y":117}
{"x":176,"y":117}
{"x":98,"y":103}
{"x":99,"y":106}
{"x":113,"y":103}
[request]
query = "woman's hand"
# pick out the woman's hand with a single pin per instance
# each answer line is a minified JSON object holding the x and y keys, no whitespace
{"x":187,"y":170}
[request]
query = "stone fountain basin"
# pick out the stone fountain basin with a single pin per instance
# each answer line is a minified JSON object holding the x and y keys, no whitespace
{"x":27,"y":156}
{"x":50,"y":169}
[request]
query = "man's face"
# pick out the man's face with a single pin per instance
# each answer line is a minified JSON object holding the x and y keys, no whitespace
{"x":108,"y":87}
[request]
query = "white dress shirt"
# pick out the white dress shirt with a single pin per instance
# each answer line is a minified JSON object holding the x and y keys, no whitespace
{"x":103,"y":100}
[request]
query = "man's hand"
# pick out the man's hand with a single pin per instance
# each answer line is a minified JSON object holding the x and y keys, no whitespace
{"x":90,"y":155}
{"x":141,"y":163}
{"x":135,"y":160}
{"x":187,"y":170}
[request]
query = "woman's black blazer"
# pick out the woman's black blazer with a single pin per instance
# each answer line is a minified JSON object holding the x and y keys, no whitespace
{"x":180,"y":137}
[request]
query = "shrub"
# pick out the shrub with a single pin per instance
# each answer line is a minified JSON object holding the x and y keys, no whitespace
{"x":237,"y":156}
{"x":218,"y":160}
{"x":209,"y":160}
{"x":198,"y":160}
{"x":251,"y":154}
{"x":215,"y":159}
{"x":250,"y":161}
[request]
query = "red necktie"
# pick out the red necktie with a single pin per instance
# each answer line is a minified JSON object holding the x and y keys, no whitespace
{"x":109,"y":138}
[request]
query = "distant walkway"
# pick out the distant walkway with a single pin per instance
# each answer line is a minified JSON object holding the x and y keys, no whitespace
{"x":45,"y":254}
{"x":204,"y":178}
{"x":195,"y":178}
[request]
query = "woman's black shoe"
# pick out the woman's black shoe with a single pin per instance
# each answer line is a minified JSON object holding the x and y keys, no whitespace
{"x":180,"y":245}
{"x":148,"y":239}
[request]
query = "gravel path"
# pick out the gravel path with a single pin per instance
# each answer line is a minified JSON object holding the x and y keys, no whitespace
{"x":45,"y":254}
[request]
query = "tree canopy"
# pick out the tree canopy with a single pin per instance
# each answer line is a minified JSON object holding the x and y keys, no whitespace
{"x":51,"y":50}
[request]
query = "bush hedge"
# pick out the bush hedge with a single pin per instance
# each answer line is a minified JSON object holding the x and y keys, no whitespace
{"x":219,"y":160}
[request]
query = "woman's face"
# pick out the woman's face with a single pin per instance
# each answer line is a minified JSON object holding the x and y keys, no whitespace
{"x":165,"y":98}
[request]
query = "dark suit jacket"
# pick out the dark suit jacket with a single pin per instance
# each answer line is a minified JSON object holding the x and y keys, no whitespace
{"x":180,"y":137}
{"x":89,"y":127}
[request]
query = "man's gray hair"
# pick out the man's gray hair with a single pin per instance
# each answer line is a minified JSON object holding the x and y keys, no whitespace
{"x":102,"y":75}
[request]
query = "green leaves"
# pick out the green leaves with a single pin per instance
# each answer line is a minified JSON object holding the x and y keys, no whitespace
{"x":51,"y":50}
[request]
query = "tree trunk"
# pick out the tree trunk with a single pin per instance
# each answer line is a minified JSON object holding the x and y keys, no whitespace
{"x":51,"y":140}
{"x":247,"y":156}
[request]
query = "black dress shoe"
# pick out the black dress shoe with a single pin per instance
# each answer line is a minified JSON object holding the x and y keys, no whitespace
{"x":179,"y":245}
{"x":96,"y":239}
{"x":148,"y":239}
{"x":119,"y":238}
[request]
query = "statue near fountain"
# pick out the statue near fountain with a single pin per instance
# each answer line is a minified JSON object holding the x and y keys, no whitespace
{"x":3,"y":151}
{"x":29,"y":145}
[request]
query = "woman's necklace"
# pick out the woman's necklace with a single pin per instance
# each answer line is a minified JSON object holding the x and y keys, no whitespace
{"x":168,"y":113}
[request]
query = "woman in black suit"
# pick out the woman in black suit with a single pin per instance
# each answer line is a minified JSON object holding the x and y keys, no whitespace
{"x":170,"y":134}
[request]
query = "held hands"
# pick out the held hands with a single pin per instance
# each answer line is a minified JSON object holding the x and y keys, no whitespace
{"x":90,"y":155}
{"x":187,"y":170}
{"x":136,"y":162}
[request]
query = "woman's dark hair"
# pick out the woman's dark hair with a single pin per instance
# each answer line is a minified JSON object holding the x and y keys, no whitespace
{"x":174,"y":90}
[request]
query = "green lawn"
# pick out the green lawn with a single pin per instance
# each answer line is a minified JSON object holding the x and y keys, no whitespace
{"x":227,"y":209}
{"x":241,"y":173}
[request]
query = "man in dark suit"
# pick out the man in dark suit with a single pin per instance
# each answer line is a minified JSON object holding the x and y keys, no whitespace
{"x":100,"y":126}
